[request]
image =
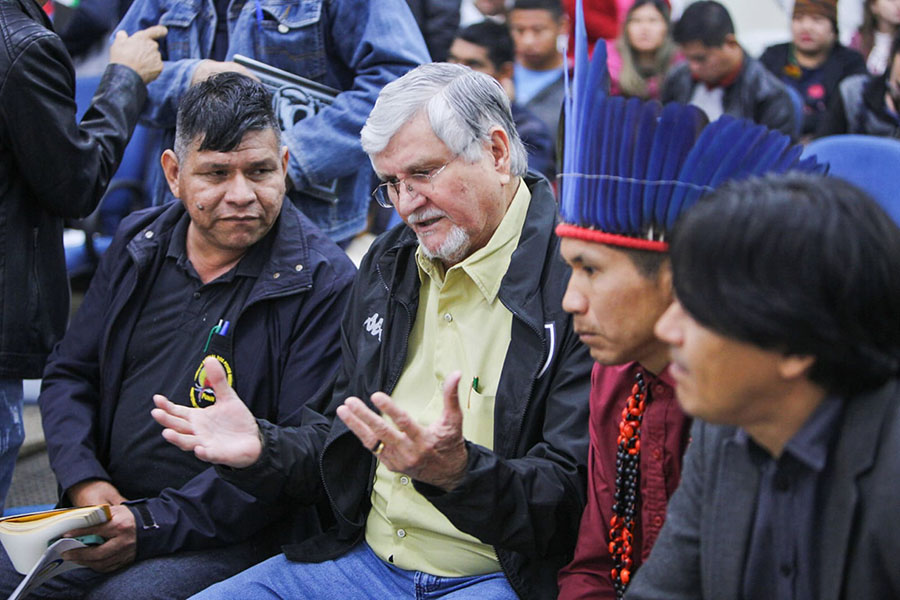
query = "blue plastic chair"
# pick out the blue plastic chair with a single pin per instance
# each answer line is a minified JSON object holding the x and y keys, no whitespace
{"x":871,"y":163}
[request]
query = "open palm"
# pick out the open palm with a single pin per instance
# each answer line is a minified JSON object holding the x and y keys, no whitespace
{"x":225,"y":433}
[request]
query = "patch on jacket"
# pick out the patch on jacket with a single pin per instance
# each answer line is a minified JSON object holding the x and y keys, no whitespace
{"x":202,"y":395}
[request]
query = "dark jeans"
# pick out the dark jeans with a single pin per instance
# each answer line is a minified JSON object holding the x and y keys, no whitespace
{"x":164,"y":578}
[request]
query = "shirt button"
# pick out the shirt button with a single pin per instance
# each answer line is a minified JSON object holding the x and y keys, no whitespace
{"x":404,"y":480}
{"x":401,"y":533}
{"x":196,"y":295}
{"x":148,"y":235}
{"x":658,"y":521}
{"x":448,"y":317}
{"x":283,"y":28}
{"x":276,"y":275}
{"x":658,"y":389}
{"x":298,"y":268}
{"x":657,"y":454}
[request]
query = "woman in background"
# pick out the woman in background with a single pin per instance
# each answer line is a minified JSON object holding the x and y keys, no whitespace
{"x":881,"y":22}
{"x":640,"y":58}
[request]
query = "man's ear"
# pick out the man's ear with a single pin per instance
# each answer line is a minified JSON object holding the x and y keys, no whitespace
{"x":285,"y":156}
{"x":170,"y":166}
{"x":793,"y":366}
{"x":664,"y":279}
{"x":500,"y":152}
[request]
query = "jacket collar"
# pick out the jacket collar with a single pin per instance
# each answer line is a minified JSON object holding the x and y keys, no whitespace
{"x":286,"y":271}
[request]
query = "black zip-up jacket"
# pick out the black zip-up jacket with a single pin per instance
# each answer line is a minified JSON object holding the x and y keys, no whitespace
{"x":526,"y":496}
{"x":285,"y":347}
{"x":841,"y":63}
{"x":756,"y":94}
{"x":51,"y":168}
{"x":860,"y":108}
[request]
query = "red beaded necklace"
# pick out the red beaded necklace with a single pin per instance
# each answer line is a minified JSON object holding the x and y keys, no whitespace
{"x":628,"y":453}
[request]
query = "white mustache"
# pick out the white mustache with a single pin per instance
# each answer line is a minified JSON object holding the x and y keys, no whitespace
{"x":425,"y":214}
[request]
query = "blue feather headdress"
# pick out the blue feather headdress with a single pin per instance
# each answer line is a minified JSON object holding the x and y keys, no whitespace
{"x":631,"y":168}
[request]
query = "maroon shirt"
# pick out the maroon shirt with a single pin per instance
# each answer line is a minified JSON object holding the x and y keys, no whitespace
{"x":664,"y":437}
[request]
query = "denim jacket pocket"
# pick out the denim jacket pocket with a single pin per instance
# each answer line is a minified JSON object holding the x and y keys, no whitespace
{"x":290,"y":36}
{"x":183,"y":38}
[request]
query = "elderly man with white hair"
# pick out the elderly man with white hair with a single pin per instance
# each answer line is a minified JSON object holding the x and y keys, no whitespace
{"x":455,"y":466}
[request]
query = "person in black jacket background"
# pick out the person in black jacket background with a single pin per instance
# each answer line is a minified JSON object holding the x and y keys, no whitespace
{"x":815,"y":62}
{"x":51,"y":168}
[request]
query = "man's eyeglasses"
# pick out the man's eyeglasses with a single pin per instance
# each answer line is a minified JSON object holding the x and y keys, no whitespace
{"x":388,"y":192}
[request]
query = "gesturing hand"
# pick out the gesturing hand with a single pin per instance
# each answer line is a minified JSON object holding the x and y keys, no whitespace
{"x":435,"y":454}
{"x":225,"y":433}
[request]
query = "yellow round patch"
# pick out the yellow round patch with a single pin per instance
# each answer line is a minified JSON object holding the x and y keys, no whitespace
{"x":202,"y":395}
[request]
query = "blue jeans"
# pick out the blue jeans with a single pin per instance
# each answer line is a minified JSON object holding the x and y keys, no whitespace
{"x":358,"y":575}
{"x":12,"y":432}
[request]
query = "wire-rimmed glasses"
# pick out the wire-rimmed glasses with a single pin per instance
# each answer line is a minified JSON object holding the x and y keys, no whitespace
{"x":387,"y":193}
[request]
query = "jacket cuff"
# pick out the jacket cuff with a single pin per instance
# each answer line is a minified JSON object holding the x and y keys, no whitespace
{"x":121,"y":77}
{"x":260,"y":479}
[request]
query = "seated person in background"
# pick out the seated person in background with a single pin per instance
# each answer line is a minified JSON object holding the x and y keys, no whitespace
{"x":536,"y":26}
{"x":786,"y":351}
{"x":354,"y":46}
{"x":640,"y":57}
{"x":881,"y":22}
{"x":473,"y":490}
{"x":233,"y":272}
{"x":621,"y":284}
{"x":815,"y":62}
{"x":867,"y":104}
{"x":719,"y":76}
{"x":487,"y":47}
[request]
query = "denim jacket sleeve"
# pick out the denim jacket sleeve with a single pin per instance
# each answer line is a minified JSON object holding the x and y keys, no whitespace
{"x":357,"y":46}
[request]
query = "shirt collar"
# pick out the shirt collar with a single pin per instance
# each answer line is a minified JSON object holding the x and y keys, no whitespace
{"x":486,"y":266}
{"x":811,"y":442}
{"x":250,"y":265}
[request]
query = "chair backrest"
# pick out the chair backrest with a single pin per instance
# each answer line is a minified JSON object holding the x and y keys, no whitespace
{"x":871,"y":163}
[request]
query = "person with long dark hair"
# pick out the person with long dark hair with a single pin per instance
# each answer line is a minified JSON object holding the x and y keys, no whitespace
{"x":881,"y":22}
{"x":642,"y":54}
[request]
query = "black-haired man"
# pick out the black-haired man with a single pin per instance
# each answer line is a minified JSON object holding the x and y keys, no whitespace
{"x":536,"y":26}
{"x":719,"y":77}
{"x":488,"y":47}
{"x":232,"y":272}
{"x":790,"y":367}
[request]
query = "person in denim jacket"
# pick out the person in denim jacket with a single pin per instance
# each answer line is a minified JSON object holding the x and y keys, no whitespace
{"x":356,"y":46}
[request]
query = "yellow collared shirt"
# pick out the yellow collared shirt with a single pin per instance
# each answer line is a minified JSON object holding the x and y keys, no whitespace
{"x":467,"y":328}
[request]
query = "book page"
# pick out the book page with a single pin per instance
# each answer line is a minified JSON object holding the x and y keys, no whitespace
{"x":50,"y":565}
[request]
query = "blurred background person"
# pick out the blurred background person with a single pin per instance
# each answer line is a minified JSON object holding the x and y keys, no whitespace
{"x":720,"y":77}
{"x":354,"y":46}
{"x":536,"y":27}
{"x":51,"y":168}
{"x":475,"y":11}
{"x":643,"y":53}
{"x":881,"y":22}
{"x":867,"y":104}
{"x":487,"y":47}
{"x":437,"y":20}
{"x":815,"y":62}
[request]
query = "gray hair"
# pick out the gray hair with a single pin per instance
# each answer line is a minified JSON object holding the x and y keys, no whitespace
{"x":461,"y":105}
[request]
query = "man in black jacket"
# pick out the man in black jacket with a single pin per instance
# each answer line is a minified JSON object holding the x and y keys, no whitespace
{"x":719,"y":77}
{"x":469,"y":482}
{"x":231,"y":272}
{"x":815,"y":62}
{"x":51,"y":168}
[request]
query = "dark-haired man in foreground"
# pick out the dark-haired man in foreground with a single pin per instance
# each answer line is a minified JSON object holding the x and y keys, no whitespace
{"x":232,"y":272}
{"x":786,"y":348}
